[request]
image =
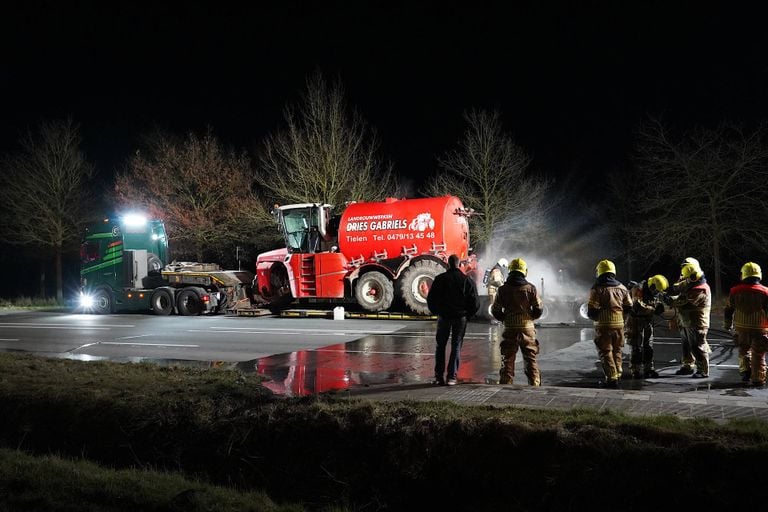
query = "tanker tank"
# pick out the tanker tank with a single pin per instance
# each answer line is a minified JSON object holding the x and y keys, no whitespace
{"x":394,"y":227}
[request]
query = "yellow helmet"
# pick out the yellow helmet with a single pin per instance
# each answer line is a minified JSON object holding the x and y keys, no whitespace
{"x":692,"y":261}
{"x":518,"y":265}
{"x":659,"y":282}
{"x":605,"y":266}
{"x":691,"y":271}
{"x":751,"y":269}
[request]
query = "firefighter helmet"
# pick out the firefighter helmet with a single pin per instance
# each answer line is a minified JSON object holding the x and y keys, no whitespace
{"x":692,"y":261}
{"x":518,"y":265}
{"x":751,"y":269}
{"x":691,"y":272}
{"x":604,"y":267}
{"x":658,"y":282}
{"x":502,"y":262}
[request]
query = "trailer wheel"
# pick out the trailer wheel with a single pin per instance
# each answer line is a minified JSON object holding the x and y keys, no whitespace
{"x":188,"y":302}
{"x":415,"y":283}
{"x":374,"y":291}
{"x":162,"y":302}
{"x":102,"y":302}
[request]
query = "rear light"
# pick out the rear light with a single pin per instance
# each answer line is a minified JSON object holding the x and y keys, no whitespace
{"x":206,"y":298}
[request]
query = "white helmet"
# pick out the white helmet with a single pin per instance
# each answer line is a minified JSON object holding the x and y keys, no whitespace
{"x":503,"y":263}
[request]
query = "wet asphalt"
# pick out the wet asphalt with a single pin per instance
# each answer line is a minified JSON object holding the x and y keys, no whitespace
{"x":399,"y":366}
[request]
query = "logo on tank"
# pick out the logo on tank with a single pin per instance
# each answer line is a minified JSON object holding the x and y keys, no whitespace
{"x":422,"y":222}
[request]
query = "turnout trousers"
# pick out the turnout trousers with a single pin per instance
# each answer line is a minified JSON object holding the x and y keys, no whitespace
{"x":525,"y":340}
{"x":752,"y":348}
{"x":609,"y":341}
{"x":695,"y":348}
{"x":640,"y":338}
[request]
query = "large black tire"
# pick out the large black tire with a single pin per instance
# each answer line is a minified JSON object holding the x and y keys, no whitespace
{"x":188,"y":302}
{"x":162,"y":302}
{"x":102,"y":302}
{"x":415,"y":282}
{"x":374,"y":291}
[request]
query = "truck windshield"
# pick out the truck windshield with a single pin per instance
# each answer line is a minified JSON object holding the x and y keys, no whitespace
{"x":300,"y":228}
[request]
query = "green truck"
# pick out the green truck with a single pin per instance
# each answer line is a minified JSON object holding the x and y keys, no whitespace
{"x":124,"y":267}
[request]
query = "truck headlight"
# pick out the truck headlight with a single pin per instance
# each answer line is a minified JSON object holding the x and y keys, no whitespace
{"x":86,"y":301}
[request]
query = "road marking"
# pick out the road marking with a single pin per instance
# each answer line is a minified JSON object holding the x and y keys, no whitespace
{"x":134,"y":344}
{"x":9,"y":339}
{"x":287,"y":333}
{"x":431,"y":354}
{"x":678,"y":339}
{"x":235,"y":329}
{"x":149,"y":344}
{"x":132,"y":337}
{"x":28,"y":326}
{"x":21,"y":324}
{"x":295,"y":332}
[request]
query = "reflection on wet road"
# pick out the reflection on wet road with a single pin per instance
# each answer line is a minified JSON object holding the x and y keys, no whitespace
{"x":567,"y":358}
{"x":404,"y":357}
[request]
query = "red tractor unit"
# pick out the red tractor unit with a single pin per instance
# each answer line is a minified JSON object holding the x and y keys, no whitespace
{"x":370,"y":253}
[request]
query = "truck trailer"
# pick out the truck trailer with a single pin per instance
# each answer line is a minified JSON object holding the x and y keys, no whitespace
{"x":124,"y":267}
{"x":369,"y":253}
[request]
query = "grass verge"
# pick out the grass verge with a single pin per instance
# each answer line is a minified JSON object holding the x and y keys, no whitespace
{"x":222,"y":427}
{"x":54,"y":484}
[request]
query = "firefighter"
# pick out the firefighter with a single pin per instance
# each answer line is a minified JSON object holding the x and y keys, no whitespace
{"x":517,"y":304}
{"x":746,"y":312}
{"x":646,"y":298}
{"x":609,"y":302}
{"x":693,"y":304}
{"x":494,"y":279}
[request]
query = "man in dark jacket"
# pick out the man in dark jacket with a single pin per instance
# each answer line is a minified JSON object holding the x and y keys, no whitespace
{"x":453,"y":298}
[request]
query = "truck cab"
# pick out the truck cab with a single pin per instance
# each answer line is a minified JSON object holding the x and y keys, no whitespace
{"x":120,"y":254}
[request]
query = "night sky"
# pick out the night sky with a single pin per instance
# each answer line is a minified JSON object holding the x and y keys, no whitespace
{"x":571,"y":80}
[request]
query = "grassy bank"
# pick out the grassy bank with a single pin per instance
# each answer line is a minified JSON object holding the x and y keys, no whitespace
{"x":54,"y":484}
{"x":223,"y":428}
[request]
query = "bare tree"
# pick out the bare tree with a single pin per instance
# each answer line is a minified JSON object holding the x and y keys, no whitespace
{"x":704,"y":192}
{"x":203,"y":191}
{"x":490,"y":173}
{"x":44,"y":192}
{"x":325,"y":153}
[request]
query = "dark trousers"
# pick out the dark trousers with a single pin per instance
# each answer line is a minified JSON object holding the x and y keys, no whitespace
{"x":453,"y":328}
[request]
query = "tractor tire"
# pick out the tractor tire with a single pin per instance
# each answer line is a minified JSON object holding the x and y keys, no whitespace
{"x":162,"y":302}
{"x":374,"y":291}
{"x":188,"y":302}
{"x":102,"y":302}
{"x":415,"y":282}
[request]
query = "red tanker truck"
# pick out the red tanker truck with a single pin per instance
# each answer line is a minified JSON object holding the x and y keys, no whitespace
{"x":370,"y":253}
